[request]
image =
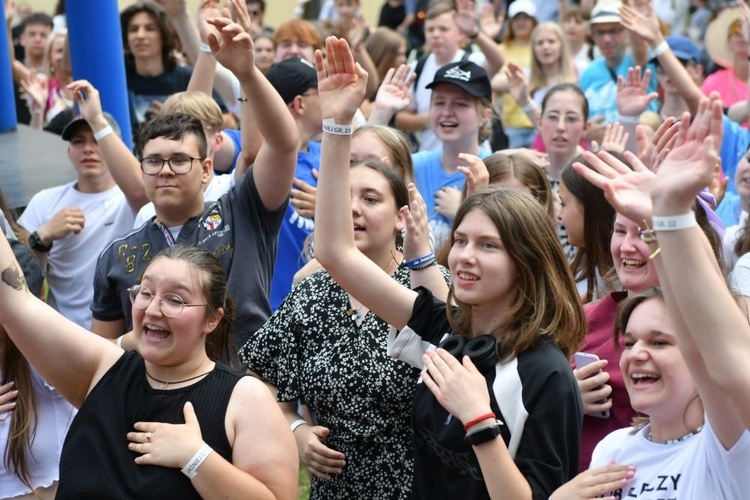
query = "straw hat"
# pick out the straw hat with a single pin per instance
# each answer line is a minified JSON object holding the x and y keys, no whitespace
{"x":717,"y":37}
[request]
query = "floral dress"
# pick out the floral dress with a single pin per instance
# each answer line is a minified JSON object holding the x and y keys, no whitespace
{"x":312,"y":348}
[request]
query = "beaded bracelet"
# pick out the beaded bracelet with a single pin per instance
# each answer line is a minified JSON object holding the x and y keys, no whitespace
{"x":431,"y":263}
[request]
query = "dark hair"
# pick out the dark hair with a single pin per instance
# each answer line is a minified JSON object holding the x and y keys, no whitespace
{"x":37,"y":18}
{"x":395,"y":182}
{"x":173,"y":126}
{"x":257,"y":2}
{"x":208,"y":273}
{"x":547,"y":302}
{"x":598,"y":225}
{"x":382,"y":45}
{"x":562,"y":87}
{"x":169,"y":40}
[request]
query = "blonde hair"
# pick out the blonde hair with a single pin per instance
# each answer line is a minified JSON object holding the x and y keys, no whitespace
{"x":398,"y":146}
{"x":48,"y":68}
{"x":198,"y":105}
{"x":383,"y":46}
{"x":537,"y":78}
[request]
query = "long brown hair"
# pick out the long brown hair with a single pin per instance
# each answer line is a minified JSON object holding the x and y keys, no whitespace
{"x":598,"y":225}
{"x":547,"y":303}
{"x":14,"y":367}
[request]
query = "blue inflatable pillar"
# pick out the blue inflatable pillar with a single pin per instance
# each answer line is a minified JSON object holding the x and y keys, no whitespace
{"x":97,"y":55}
{"x":8,"y":120}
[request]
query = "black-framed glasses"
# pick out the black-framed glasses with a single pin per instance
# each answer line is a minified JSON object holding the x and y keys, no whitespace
{"x":178,"y":164}
{"x":171,"y":304}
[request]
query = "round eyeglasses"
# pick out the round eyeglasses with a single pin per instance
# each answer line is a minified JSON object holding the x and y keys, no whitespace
{"x":171,"y":304}
{"x":178,"y":165}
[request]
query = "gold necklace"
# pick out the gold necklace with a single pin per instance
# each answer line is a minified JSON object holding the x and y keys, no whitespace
{"x":163,"y":383}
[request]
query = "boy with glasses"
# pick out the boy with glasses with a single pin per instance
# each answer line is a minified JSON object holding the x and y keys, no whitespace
{"x":243,"y":223}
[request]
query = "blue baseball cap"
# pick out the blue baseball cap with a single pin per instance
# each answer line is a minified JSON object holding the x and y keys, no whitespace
{"x":683,"y":48}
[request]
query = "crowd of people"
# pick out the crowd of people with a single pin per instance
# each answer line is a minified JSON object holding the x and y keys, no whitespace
{"x":444,"y":255}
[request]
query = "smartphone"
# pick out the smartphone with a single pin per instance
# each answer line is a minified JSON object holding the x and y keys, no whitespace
{"x":582,"y":359}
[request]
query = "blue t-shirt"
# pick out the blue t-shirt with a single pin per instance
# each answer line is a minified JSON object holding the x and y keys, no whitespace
{"x":294,"y":231}
{"x":729,"y":209}
{"x":733,"y":147}
{"x":236,"y":137}
{"x":430,"y":178}
{"x":600,"y":87}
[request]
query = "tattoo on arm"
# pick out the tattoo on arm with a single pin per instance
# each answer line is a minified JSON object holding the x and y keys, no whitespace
{"x":13,"y":278}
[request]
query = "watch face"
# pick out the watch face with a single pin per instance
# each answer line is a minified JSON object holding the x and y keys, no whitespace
{"x":484,"y":434}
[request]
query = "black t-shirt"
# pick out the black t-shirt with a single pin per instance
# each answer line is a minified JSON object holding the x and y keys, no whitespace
{"x":391,"y":16}
{"x":535,"y":396}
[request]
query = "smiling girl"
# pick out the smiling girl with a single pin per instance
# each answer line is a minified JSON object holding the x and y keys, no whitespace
{"x":145,"y":415}
{"x":504,"y":263}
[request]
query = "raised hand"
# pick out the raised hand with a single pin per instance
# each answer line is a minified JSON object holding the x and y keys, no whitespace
{"x":173,"y":8}
{"x":233,"y":48}
{"x":641,"y":19}
{"x":168,"y":445}
{"x":633,"y":97}
{"x":489,"y":23}
{"x":477,"y":175}
{"x":238,"y":10}
{"x":466,"y":18}
{"x":614,"y":139}
{"x":593,"y":484}
{"x":628,"y":191}
{"x":320,"y":460}
{"x":341,"y":81}
{"x":394,"y":93}
{"x":518,"y":83}
{"x":88,"y":100}
{"x":417,"y":239}
{"x":207,"y":9}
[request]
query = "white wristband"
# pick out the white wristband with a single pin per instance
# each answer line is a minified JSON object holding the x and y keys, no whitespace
{"x":191,"y":469}
{"x":103,"y":133}
{"x":119,"y":340}
{"x":330,"y":126}
{"x":205,"y":48}
{"x":628,"y":119}
{"x":674,"y":222}
{"x":661,"y":48}
{"x":297,"y":423}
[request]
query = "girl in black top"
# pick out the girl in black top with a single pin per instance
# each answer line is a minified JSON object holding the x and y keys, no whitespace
{"x":511,"y":283}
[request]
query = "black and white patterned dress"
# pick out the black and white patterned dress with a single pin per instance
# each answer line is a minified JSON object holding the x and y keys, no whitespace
{"x":311,"y":349}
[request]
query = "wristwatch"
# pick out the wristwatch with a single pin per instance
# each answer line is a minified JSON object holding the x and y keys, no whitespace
{"x":35,"y":242}
{"x":484,"y":434}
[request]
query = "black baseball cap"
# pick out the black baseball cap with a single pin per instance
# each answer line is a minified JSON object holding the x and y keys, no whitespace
{"x":466,"y":75}
{"x":292,"y":77}
{"x":79,"y":120}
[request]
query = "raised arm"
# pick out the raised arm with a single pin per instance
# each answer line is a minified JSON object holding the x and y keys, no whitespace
{"x":277,"y":157}
{"x":341,"y":91}
{"x":67,"y":356}
{"x":467,"y":20}
{"x":124,"y":167}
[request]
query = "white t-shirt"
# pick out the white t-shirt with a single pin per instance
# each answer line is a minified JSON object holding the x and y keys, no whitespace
{"x":55,"y":415}
{"x":72,"y":260}
{"x":219,"y":185}
{"x":421,"y":104}
{"x":731,"y":235}
{"x":698,"y":468}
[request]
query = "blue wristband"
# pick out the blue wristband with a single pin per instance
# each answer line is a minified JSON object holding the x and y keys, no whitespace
{"x":411,"y":264}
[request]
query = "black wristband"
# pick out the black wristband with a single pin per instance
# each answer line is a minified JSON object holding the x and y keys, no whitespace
{"x":35,"y":242}
{"x":484,"y":434}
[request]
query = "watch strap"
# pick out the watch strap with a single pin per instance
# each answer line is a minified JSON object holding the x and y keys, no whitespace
{"x":484,"y":434}
{"x":35,"y":242}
